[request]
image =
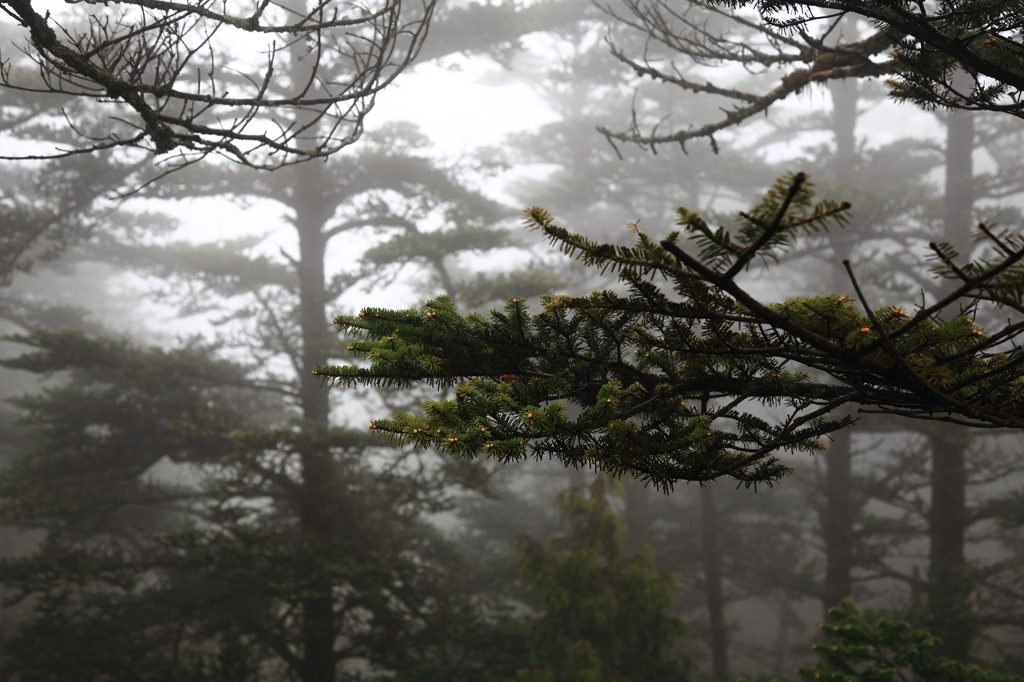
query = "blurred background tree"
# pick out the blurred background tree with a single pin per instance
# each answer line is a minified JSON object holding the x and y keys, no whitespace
{"x":604,"y":616}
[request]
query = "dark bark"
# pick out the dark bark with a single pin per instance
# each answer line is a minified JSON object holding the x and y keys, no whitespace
{"x":712,"y":559}
{"x":949,"y":588}
{"x":306,"y":190}
{"x":837,"y":521}
{"x":321,"y":478}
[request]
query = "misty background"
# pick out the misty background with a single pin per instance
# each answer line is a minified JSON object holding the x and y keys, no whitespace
{"x":180,"y":500}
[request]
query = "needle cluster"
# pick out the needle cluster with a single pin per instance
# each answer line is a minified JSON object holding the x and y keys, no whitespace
{"x":687,"y":376}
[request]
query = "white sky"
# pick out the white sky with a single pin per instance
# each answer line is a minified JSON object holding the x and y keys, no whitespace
{"x":468,"y":105}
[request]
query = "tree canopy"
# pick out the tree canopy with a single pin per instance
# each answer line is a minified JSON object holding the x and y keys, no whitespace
{"x":697,"y":378}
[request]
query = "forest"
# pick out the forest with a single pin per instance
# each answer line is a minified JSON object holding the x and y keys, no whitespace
{"x":537,"y":341}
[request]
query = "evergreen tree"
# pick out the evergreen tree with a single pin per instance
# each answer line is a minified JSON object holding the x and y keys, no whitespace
{"x":295,"y":493}
{"x":882,"y":649}
{"x":174,"y":547}
{"x":604,"y":617}
{"x":295,"y":543}
{"x":842,"y":553}
{"x":604,"y":193}
{"x":104,"y":599}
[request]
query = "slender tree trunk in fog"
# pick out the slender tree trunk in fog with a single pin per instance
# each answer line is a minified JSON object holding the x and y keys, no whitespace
{"x":320,"y":508}
{"x":837,"y":524}
{"x":949,"y":589}
{"x":303,"y":189}
{"x":312,"y":211}
{"x":838,"y":513}
{"x":712,"y":559}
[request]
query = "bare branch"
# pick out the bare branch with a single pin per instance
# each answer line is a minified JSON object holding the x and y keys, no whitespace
{"x":165,"y":76}
{"x":926,"y":46}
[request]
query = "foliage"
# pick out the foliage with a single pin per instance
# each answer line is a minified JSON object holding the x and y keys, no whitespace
{"x":175,"y":546}
{"x":673,"y":385}
{"x":605,"y":618}
{"x":885,"y":650}
{"x":89,"y":474}
{"x":125,"y":410}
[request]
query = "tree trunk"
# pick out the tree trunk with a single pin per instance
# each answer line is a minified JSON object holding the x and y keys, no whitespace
{"x":837,"y":521}
{"x":949,"y":589}
{"x":305,"y":189}
{"x":320,"y":506}
{"x":712,"y":559}
{"x":838,"y":514}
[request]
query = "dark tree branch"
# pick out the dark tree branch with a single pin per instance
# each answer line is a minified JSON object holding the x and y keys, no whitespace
{"x":161,"y":70}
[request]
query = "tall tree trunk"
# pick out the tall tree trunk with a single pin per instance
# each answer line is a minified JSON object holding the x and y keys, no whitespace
{"x":838,"y":514}
{"x":320,"y":509}
{"x":712,"y":559}
{"x":837,"y":521}
{"x":949,"y":588}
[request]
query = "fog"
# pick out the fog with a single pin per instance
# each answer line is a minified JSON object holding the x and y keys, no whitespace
{"x":180,"y":499}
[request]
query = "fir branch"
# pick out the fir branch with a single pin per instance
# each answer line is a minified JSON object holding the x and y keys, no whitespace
{"x":664,"y":383}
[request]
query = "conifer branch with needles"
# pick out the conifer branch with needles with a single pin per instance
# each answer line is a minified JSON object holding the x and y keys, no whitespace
{"x":688,"y":376}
